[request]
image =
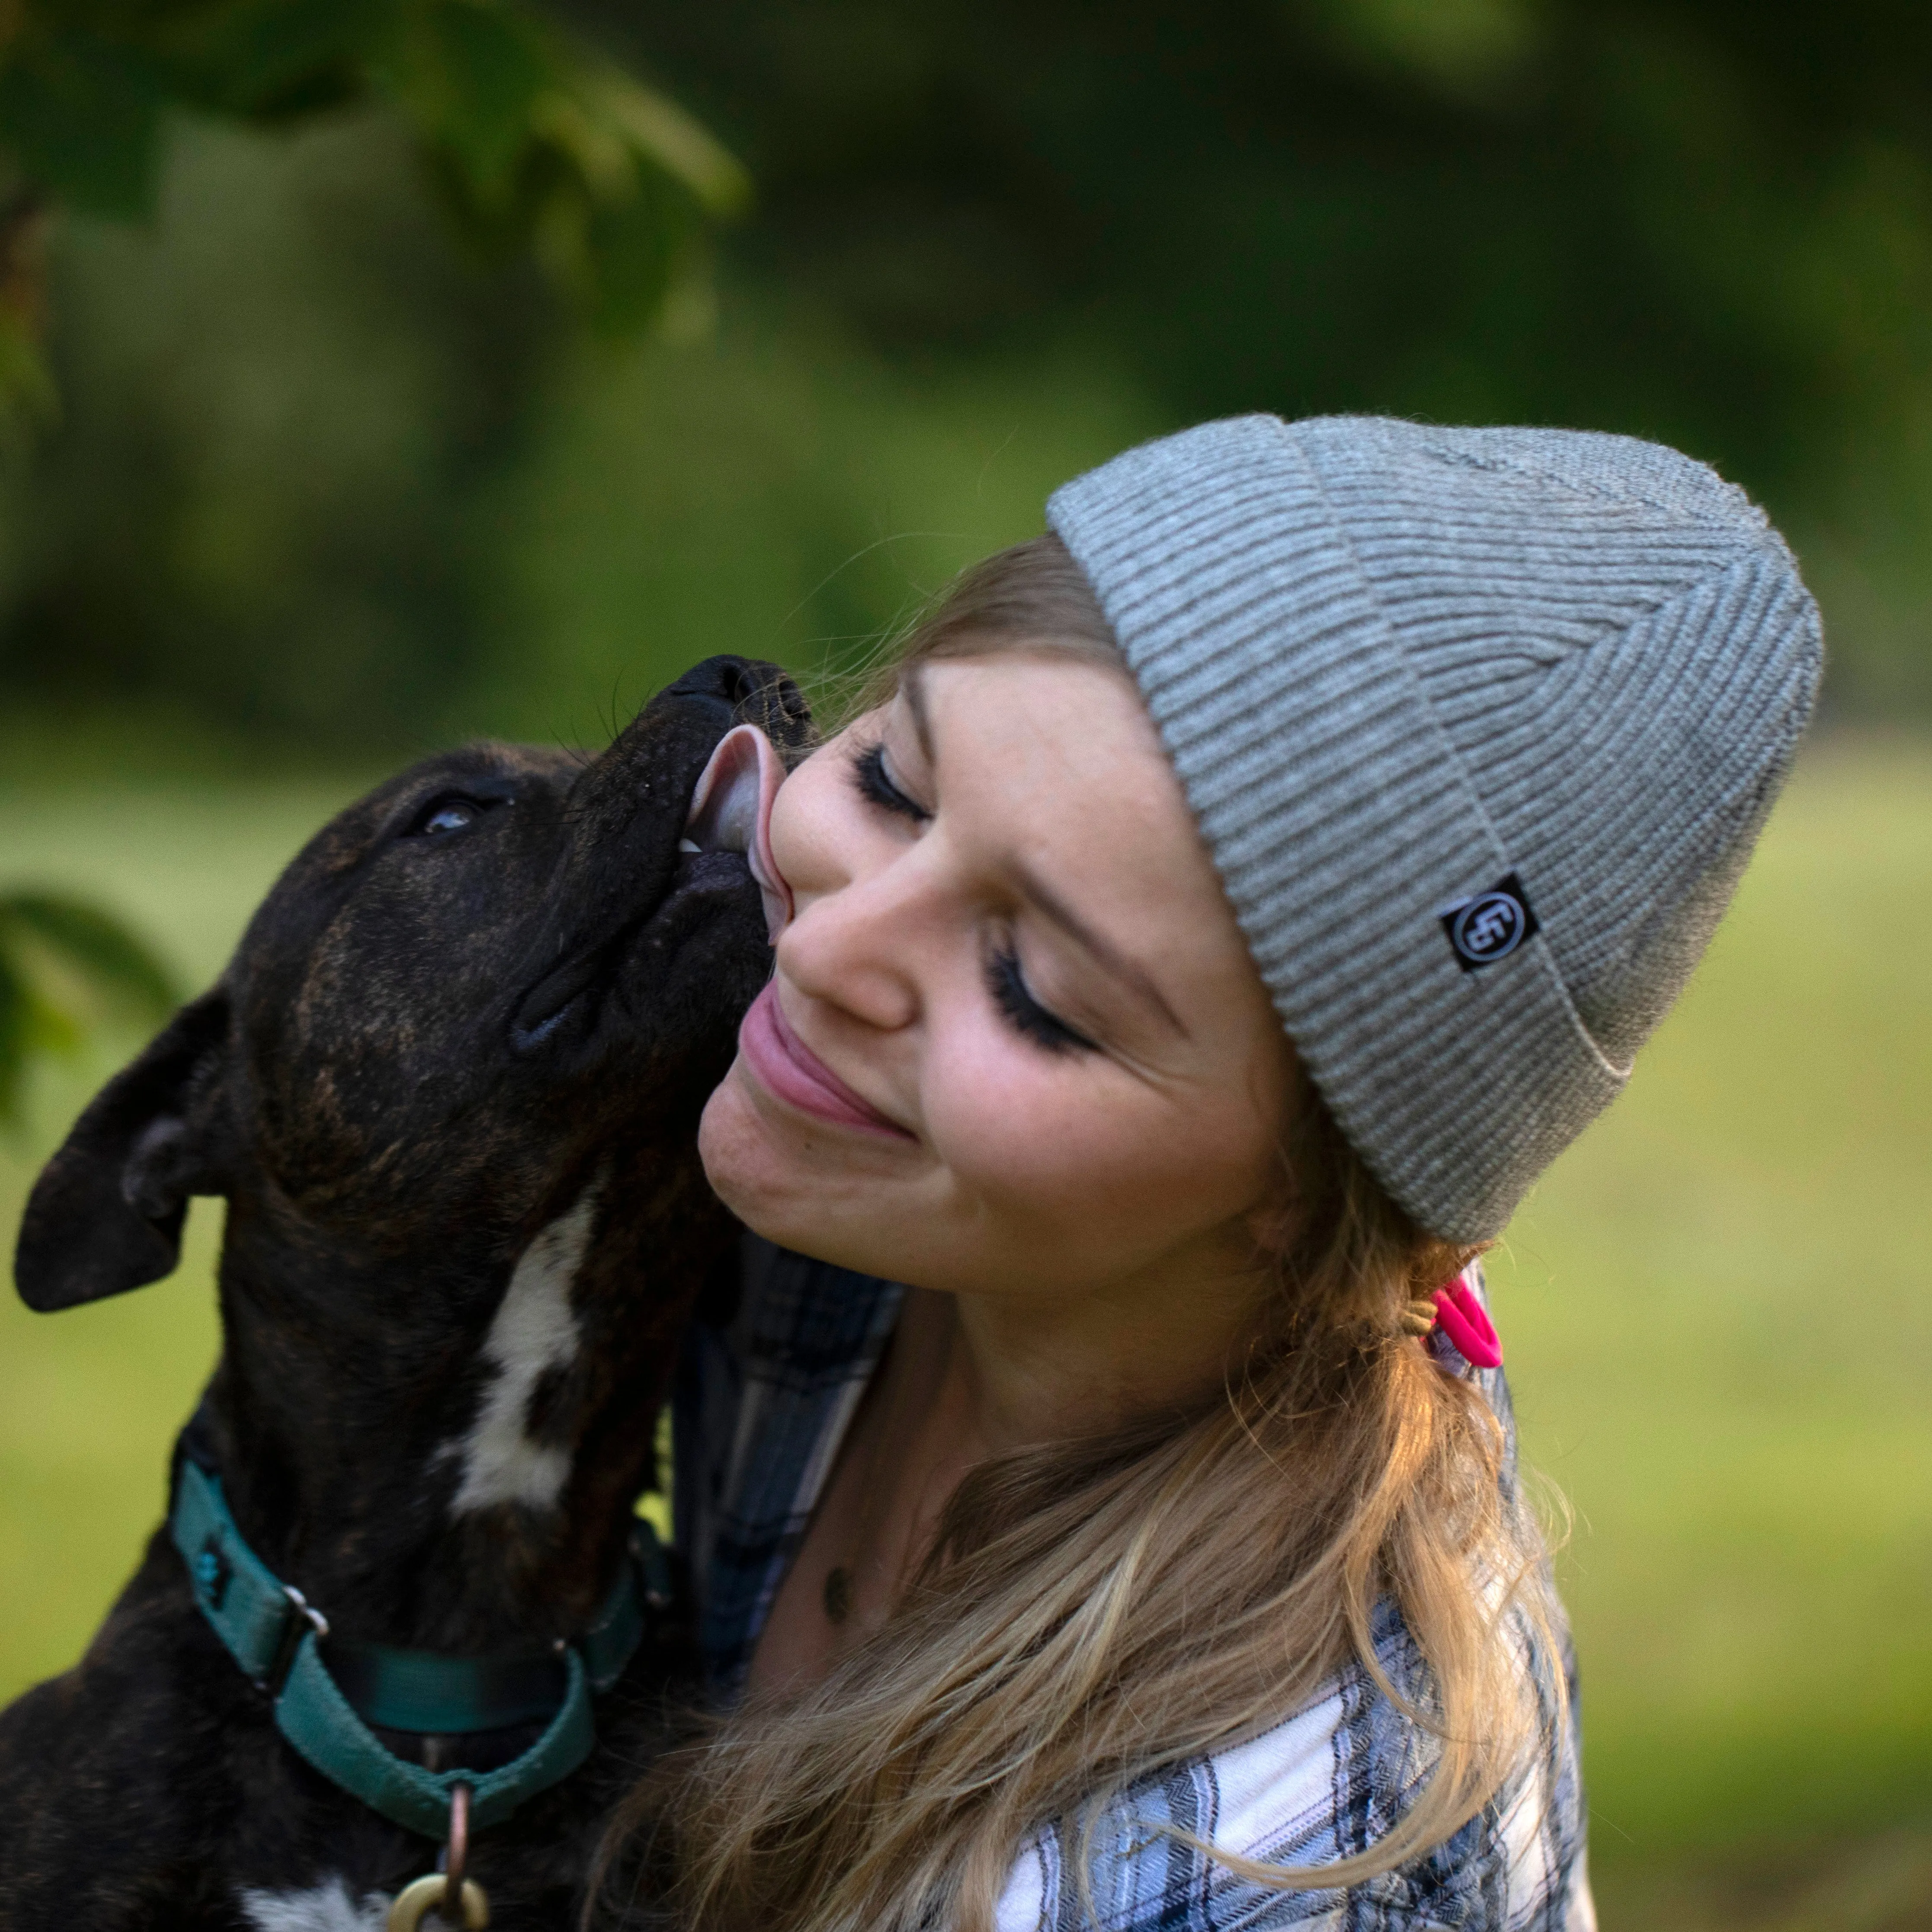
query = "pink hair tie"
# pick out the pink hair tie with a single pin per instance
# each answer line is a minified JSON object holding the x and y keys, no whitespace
{"x":1466,"y":1322}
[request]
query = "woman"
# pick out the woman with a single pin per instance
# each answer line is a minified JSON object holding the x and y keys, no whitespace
{"x":1241,"y":894}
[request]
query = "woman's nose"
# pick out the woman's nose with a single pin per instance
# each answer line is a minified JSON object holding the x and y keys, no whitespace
{"x":855,"y":948}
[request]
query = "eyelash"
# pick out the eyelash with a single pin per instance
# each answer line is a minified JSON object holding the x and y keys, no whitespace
{"x":1004,"y":980}
{"x":876,"y":787}
{"x":1007,"y":985}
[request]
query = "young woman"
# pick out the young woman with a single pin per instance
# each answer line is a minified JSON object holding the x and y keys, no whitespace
{"x":1241,"y":894}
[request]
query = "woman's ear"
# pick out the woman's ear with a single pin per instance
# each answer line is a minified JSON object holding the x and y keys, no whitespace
{"x":106,"y":1214}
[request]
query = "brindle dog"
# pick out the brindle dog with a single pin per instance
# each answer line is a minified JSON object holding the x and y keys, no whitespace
{"x":448,"y":1088}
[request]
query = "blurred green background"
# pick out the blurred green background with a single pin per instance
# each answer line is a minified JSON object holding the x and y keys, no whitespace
{"x":330,"y":480}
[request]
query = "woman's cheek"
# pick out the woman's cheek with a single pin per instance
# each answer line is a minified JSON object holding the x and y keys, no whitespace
{"x":1039,"y":1134}
{"x":1073,"y":1159}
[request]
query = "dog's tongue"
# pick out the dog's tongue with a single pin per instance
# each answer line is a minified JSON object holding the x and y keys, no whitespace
{"x":731,"y":811}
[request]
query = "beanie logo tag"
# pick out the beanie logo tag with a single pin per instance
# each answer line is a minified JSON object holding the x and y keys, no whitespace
{"x":1488,"y":925}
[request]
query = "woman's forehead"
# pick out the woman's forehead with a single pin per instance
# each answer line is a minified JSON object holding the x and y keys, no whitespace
{"x":1058,"y":728}
{"x":1054,"y":763}
{"x":966,"y":705}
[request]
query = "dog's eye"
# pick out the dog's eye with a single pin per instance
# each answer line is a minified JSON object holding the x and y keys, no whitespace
{"x":447,"y":814}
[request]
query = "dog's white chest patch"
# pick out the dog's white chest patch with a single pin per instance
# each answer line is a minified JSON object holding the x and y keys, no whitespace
{"x":534,"y":1331}
{"x":321,"y":1908}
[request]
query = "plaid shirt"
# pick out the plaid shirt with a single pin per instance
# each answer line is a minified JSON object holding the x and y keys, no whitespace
{"x":761,"y":1407}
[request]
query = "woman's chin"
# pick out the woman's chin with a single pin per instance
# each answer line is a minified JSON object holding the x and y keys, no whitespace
{"x":731,"y":1146}
{"x":759,"y":1179}
{"x":770,"y":1183}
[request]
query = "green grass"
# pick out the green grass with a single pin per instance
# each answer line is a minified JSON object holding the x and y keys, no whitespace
{"x":1715,"y":1307}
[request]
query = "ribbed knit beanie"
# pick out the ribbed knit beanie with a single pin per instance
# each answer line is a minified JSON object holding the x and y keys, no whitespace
{"x":1479,"y":726}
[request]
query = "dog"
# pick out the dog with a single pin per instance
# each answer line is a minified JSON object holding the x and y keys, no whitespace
{"x":449,"y":1087}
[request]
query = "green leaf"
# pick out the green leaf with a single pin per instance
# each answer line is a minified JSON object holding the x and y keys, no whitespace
{"x":630,"y":259}
{"x":270,"y":60}
{"x":1463,"y":49}
{"x":615,"y":261}
{"x":621,"y":181}
{"x":662,"y":133}
{"x":533,"y":141}
{"x":81,"y":117}
{"x":469,"y":74}
{"x":96,"y":945}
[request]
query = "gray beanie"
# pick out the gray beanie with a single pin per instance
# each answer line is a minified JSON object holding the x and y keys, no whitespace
{"x":1479,"y":726}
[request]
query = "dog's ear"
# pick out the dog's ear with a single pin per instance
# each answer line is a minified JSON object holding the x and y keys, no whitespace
{"x":106,"y":1214}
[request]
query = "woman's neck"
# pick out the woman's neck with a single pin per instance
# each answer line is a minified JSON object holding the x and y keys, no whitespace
{"x":967,"y":1378}
{"x":1088,"y":1364}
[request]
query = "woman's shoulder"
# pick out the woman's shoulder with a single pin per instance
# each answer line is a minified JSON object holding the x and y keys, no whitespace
{"x":1324,"y":1784}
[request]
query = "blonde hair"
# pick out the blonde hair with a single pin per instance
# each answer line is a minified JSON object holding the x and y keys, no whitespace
{"x":1094,"y":1611}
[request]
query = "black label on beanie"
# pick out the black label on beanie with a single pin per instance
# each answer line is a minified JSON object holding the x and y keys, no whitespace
{"x":1490,"y":926}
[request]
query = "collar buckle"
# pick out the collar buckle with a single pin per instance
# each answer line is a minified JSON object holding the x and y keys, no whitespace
{"x":306,"y":1617}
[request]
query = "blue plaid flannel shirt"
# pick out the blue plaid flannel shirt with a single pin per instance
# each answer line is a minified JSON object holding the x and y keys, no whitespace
{"x":760,"y":1408}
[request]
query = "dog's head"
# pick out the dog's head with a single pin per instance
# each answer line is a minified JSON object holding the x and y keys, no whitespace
{"x":471,"y":993}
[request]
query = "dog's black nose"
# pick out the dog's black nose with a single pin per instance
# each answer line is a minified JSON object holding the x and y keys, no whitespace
{"x":750,"y":690}
{"x":730,"y":680}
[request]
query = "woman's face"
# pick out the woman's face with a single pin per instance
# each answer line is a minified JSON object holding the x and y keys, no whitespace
{"x":1015,"y":1044}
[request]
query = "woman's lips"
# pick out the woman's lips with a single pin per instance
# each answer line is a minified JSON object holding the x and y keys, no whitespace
{"x":796,"y":1075}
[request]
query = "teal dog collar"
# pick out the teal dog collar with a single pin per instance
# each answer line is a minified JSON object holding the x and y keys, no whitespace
{"x":277,"y":1636}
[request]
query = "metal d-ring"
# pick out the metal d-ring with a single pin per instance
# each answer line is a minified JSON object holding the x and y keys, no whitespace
{"x":421,"y":1897}
{"x":291,"y":1640}
{"x":454,"y":1898}
{"x":317,"y":1621}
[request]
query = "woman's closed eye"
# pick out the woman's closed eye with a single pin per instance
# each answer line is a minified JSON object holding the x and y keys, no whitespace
{"x":877,"y":787}
{"x":1005,"y":979}
{"x":1007,"y":984}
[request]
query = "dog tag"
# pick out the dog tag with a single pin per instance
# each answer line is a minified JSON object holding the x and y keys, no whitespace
{"x":422,"y":1898}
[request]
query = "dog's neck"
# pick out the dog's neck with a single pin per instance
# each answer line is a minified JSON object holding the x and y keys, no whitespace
{"x":442,"y":1449}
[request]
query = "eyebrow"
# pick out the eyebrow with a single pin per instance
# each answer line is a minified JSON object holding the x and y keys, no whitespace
{"x":913,"y":684}
{"x":1103,"y":948}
